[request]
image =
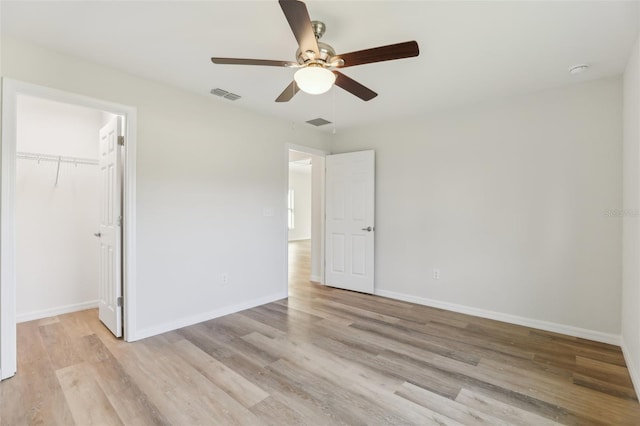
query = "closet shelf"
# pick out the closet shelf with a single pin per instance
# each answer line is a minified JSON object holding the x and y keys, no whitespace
{"x":56,"y":158}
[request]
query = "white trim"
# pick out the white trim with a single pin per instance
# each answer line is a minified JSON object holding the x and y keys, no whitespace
{"x":129,"y":264}
{"x":631,"y":366}
{"x":315,"y":279}
{"x":8,"y":354}
{"x":319,"y":153}
{"x":10,"y":90}
{"x":306,"y":149}
{"x":300,"y":239}
{"x":598,"y":336}
{"x":206,"y":316}
{"x":52,"y":312}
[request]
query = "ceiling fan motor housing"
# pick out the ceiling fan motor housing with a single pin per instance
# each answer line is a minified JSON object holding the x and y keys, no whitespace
{"x":326,"y":53}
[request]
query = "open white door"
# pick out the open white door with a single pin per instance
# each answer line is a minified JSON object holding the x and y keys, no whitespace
{"x":110,"y":234}
{"x":350,"y":191}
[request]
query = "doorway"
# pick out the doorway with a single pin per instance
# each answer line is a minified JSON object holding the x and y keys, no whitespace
{"x":57,"y":207}
{"x":51,"y":181}
{"x":305,"y":216}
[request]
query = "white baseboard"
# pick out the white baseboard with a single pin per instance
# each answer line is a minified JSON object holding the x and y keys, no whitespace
{"x":315,"y":278}
{"x":206,"y":316}
{"x":52,"y":312}
{"x":300,"y":239}
{"x":632,"y":367}
{"x":598,"y":336}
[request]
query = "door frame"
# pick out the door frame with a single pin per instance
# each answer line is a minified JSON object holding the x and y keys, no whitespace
{"x":10,"y":91}
{"x":319,"y":153}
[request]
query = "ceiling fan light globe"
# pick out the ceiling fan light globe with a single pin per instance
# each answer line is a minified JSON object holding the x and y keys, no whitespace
{"x":314,"y":80}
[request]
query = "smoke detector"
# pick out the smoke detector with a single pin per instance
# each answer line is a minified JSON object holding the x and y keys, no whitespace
{"x":578,"y":69}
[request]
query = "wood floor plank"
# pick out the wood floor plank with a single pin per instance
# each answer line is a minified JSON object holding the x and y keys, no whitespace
{"x":61,"y":352}
{"x":128,"y":400}
{"x":576,"y":401}
{"x":311,"y":308}
{"x":499,"y":344}
{"x":194,"y":398}
{"x":606,"y":372}
{"x":448,"y":407}
{"x":200,"y":336}
{"x":508,"y":413}
{"x":295,"y":397}
{"x":239,"y":388}
{"x":276,"y":413}
{"x":77,"y":324}
{"x":47,"y":321}
{"x":40,"y":396}
{"x":241,"y":325}
{"x":481,"y":349}
{"x":335,"y":401}
{"x":352,"y":377}
{"x":11,"y":396}
{"x":605,"y":386}
{"x":354,"y":313}
{"x":413,"y":338}
{"x":174,"y":405}
{"x":88,"y":403}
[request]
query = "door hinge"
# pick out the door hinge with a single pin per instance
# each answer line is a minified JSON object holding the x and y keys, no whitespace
{"x":119,"y":301}
{"x":121,"y":140}
{"x":119,"y":221}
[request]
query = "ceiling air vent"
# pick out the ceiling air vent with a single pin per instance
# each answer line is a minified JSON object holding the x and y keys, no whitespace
{"x":318,"y":122}
{"x":232,"y":96}
{"x":225,"y":94}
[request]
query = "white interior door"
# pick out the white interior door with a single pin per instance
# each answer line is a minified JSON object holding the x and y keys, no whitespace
{"x":110,"y":234}
{"x":350,"y":191}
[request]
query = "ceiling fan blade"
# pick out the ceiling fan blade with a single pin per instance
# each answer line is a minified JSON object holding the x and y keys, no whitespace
{"x":300,"y":23}
{"x":288,"y":93}
{"x":353,"y":87}
{"x":378,"y":54}
{"x":264,"y":62}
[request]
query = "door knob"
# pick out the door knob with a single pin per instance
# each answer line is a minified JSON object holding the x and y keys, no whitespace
{"x":97,"y":234}
{"x":368,"y":229}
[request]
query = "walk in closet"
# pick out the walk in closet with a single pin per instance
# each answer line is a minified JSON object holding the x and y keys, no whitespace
{"x":57,"y":207}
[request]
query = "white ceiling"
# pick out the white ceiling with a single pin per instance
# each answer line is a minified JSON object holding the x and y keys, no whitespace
{"x":469,"y":51}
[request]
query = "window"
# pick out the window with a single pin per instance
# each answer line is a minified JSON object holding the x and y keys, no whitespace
{"x":290,"y":210}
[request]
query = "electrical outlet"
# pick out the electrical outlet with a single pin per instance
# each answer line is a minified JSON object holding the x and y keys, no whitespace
{"x":224,"y":278}
{"x":436,"y":274}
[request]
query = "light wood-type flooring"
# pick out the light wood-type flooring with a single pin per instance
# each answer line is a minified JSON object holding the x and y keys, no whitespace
{"x":322,"y":357}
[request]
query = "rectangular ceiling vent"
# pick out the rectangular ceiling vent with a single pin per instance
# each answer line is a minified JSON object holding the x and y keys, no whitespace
{"x":232,"y":96}
{"x":318,"y":122}
{"x":225,"y":94}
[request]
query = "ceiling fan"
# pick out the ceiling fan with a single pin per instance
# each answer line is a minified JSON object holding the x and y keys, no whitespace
{"x":318,"y":62}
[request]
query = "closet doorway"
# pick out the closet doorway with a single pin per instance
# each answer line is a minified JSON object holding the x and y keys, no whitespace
{"x":67,"y":211}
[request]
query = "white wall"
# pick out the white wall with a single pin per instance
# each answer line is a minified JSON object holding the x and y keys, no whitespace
{"x":56,"y":252}
{"x":300,"y":182}
{"x":631,"y":214}
{"x":509,"y":200}
{"x":200,"y":197}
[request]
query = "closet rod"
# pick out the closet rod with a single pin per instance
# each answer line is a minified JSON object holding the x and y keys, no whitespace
{"x":55,"y":158}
